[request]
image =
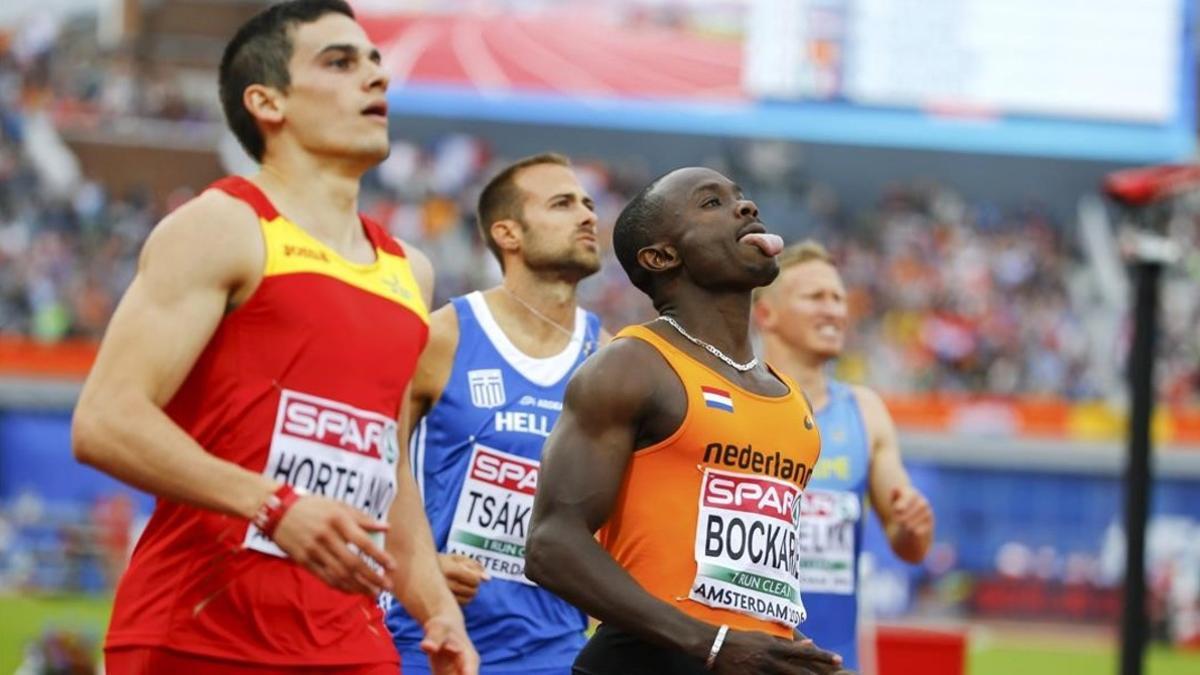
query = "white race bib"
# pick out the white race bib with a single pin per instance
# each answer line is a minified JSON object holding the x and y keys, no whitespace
{"x":827,"y":522}
{"x":335,"y":450}
{"x":746,"y":546}
{"x":491,"y":520}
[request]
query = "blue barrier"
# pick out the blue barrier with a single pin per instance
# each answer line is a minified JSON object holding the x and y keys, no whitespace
{"x":979,"y":508}
{"x":35,"y":456}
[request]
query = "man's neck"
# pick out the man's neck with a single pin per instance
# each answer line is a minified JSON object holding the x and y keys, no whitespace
{"x":320,"y":196}
{"x":536,"y":312}
{"x":553,"y":297}
{"x":722,"y":320}
{"x":807,"y":370}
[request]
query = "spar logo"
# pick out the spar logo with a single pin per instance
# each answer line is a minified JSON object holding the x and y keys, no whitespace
{"x":505,"y":471}
{"x":821,"y":504}
{"x":748,"y":494}
{"x":338,"y":425}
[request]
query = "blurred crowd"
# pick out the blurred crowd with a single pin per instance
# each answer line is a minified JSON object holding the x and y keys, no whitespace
{"x":956,"y":297}
{"x":77,"y":547}
{"x":67,"y":249}
{"x":947,"y":294}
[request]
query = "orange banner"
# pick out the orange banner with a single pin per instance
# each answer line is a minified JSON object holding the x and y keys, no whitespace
{"x":24,"y":358}
{"x":936,"y":413}
{"x":1035,"y":418}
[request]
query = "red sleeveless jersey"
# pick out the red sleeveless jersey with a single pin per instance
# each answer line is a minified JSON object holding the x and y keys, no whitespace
{"x":303,"y":383}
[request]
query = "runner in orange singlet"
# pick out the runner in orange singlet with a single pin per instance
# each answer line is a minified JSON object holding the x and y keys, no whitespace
{"x":253,"y":378}
{"x":683,"y":451}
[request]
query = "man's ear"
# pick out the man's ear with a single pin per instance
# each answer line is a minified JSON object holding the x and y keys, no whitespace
{"x":508,"y":235}
{"x":264,"y":103}
{"x":659,"y":257}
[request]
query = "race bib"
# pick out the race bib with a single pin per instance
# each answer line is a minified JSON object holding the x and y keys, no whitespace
{"x":827,"y":526}
{"x":492,"y":517}
{"x":334,"y":450}
{"x":746,"y":547}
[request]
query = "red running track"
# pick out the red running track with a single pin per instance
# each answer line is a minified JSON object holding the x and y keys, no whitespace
{"x":579,"y":54}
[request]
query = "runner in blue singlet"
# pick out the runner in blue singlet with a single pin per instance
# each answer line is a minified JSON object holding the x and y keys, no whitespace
{"x":487,"y":391}
{"x":802,"y":317}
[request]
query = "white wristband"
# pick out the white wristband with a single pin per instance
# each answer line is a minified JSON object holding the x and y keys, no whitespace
{"x":716,"y":647}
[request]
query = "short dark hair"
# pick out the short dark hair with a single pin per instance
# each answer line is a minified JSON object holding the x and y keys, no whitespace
{"x":501,"y":199}
{"x":258,"y":54}
{"x":637,"y":227}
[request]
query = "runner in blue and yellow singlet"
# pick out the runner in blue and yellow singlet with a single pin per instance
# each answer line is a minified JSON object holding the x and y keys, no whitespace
{"x":802,"y":317}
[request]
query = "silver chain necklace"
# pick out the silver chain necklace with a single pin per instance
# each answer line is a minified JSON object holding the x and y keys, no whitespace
{"x":740,"y":367}
{"x":587,"y":346}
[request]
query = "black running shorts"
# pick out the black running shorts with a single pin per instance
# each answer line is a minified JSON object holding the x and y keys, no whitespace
{"x":613,"y":652}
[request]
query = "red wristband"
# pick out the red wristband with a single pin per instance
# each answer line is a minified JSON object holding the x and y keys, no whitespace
{"x":272,"y":510}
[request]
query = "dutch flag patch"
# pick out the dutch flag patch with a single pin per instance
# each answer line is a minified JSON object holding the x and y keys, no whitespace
{"x":717,"y":398}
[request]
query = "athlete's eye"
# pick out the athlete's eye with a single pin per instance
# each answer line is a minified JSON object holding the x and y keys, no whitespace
{"x":341,"y":64}
{"x":708,"y":203}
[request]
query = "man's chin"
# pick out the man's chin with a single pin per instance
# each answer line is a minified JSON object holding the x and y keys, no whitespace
{"x":586,"y":265}
{"x":571,"y":267}
{"x":370,"y":148}
{"x":366,"y":156}
{"x":377,"y":154}
{"x":590,"y":268}
{"x":827,"y":353}
{"x":766,"y":273}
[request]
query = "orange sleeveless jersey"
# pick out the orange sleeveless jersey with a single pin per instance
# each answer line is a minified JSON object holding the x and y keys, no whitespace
{"x":703,"y":517}
{"x":303,"y":383}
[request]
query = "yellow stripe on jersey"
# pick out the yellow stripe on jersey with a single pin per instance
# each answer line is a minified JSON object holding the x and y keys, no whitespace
{"x":291,"y":250}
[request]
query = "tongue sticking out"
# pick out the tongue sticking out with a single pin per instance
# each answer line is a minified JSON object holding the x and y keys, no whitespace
{"x":769,"y":244}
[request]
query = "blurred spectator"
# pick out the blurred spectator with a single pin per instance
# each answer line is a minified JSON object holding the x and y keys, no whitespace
{"x":60,"y":652}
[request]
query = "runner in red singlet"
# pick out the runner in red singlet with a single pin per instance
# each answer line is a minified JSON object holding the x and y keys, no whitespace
{"x":253,"y":378}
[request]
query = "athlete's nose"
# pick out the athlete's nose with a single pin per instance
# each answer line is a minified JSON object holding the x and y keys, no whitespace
{"x":747,"y":209}
{"x":378,"y":77}
{"x":589,"y":219}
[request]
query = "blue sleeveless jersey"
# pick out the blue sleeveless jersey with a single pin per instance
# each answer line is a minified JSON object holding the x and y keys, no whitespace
{"x":832,"y":526}
{"x":475,"y":456}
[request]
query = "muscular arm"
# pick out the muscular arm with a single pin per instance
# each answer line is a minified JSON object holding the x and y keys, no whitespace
{"x":417,"y":579}
{"x":583,"y":464}
{"x":195,"y":263}
{"x":903,"y":510}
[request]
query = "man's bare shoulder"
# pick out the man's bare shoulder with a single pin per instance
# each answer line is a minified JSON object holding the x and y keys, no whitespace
{"x":876,"y":417}
{"x":209,"y":208}
{"x":869,"y":401}
{"x":213,"y":230}
{"x":626,"y":371}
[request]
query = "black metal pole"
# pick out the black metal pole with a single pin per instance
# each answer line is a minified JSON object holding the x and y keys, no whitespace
{"x":1134,"y":628}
